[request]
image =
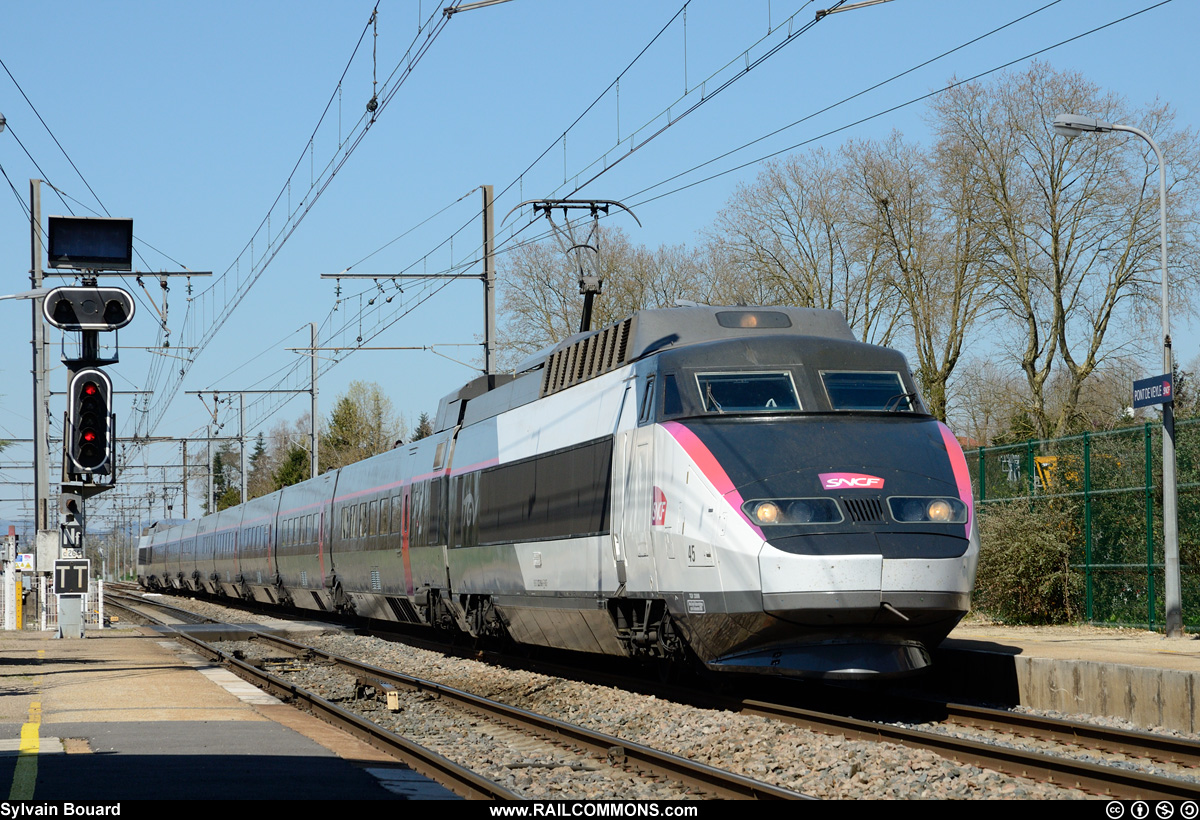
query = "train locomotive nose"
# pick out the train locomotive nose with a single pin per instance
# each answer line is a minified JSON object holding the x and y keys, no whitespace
{"x":863,"y":566}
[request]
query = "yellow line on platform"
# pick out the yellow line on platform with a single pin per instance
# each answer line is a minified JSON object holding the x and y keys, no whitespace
{"x":25,"y":773}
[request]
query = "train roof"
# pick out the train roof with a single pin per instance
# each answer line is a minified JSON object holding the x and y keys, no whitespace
{"x":654,"y":329}
{"x":586,"y":355}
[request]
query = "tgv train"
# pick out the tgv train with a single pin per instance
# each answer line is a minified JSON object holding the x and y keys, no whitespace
{"x":749,"y":487}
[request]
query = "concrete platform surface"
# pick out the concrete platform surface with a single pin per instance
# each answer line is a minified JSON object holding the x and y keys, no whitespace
{"x":127,"y":714}
{"x":1138,"y":676}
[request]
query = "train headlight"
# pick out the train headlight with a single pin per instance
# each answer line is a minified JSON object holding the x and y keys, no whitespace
{"x":792,"y":511}
{"x":766,"y":512}
{"x":801,"y":511}
{"x":940,"y":511}
{"x":928,"y":510}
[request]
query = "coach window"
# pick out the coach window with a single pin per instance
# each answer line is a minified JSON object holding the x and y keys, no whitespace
{"x":384,"y":523}
{"x":647,"y":410}
{"x":672,"y":402}
{"x":373,"y":518}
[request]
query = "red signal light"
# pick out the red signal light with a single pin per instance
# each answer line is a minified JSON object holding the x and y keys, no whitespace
{"x":90,"y":389}
{"x":89,"y":436}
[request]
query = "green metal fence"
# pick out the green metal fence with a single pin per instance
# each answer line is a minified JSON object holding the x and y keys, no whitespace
{"x":1104,"y":494}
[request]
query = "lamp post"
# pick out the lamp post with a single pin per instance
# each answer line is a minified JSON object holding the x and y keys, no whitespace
{"x":1071,"y":125}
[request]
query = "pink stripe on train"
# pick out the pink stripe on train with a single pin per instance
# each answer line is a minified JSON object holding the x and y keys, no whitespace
{"x":962,"y":476}
{"x":710,"y":467}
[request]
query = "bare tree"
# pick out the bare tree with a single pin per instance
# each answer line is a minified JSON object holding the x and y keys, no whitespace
{"x":996,"y":409}
{"x":921,"y":209}
{"x":792,"y":235}
{"x":541,"y":305}
{"x":1072,"y":223}
{"x":996,"y":397}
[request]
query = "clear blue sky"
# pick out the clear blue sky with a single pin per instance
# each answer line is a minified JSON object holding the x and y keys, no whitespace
{"x":190,"y":117}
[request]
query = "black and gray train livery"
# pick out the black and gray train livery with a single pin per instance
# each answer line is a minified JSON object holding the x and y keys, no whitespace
{"x":746,"y":486}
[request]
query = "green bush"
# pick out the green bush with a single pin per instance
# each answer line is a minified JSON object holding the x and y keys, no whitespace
{"x":1025,"y":574}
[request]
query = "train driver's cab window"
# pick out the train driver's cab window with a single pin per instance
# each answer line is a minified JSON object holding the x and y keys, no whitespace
{"x":850,"y":390}
{"x":741,"y":392}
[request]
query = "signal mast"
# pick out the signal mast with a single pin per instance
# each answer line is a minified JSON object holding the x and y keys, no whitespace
{"x":89,"y":245}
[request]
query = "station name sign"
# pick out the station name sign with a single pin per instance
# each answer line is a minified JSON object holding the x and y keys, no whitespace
{"x":1154,"y":390}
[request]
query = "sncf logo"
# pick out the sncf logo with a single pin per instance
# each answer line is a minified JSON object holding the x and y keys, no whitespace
{"x":850,"y":481}
{"x":658,"y":509}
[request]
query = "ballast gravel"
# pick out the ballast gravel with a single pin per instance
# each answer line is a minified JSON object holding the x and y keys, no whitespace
{"x":831,"y":767}
{"x":766,"y":750}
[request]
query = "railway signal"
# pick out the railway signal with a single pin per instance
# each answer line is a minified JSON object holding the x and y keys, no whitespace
{"x":85,"y":308}
{"x":90,"y":438}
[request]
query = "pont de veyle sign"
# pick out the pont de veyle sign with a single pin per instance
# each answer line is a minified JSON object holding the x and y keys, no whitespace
{"x":1154,"y":390}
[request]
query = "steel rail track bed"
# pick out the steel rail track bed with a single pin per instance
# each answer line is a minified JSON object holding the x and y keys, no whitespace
{"x":711,"y":780}
{"x":1091,"y":777}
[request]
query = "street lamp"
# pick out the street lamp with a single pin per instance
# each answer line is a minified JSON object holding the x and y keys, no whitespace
{"x":1072,"y":125}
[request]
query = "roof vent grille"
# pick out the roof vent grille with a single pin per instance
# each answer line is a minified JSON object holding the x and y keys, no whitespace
{"x":588,"y":358}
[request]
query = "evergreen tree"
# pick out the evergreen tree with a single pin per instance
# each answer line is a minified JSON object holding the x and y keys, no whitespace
{"x":293,"y":470}
{"x":362,"y":424}
{"x":261,"y":476}
{"x":424,"y":427}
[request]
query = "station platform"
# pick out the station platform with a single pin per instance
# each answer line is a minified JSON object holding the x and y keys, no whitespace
{"x":129,"y":714}
{"x":1137,"y":676}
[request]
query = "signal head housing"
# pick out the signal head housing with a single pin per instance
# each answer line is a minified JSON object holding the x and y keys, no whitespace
{"x":89,"y":443}
{"x":88,"y":308}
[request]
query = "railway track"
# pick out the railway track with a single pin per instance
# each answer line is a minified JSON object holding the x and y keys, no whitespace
{"x":549,"y":742}
{"x":1069,"y":754}
{"x":152,"y":611}
{"x":1058,"y":761}
{"x":365,"y":698}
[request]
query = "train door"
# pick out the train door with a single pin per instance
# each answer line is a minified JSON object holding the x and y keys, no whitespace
{"x":622,"y":448}
{"x":405,"y":530}
{"x":321,"y":544}
{"x":635,"y":518}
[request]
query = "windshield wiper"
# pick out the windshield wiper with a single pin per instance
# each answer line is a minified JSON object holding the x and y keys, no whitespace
{"x":893,"y":404}
{"x":712,"y":400}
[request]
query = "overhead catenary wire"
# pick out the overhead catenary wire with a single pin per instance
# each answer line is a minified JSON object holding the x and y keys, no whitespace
{"x":858,"y":94}
{"x":202,"y":321}
{"x":53,"y":137}
{"x":612,"y":85}
{"x":885,"y":111}
{"x":849,"y":125}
